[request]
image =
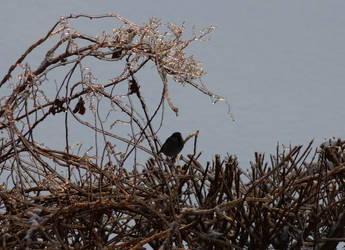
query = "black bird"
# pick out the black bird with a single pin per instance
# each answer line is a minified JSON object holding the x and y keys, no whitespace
{"x":173,"y":145}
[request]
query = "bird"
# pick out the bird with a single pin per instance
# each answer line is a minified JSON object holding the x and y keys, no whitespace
{"x":173,"y":145}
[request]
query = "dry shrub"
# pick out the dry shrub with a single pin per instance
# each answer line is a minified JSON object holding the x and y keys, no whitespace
{"x":69,"y":197}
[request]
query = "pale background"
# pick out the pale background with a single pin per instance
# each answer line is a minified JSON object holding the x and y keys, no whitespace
{"x":280,"y":64}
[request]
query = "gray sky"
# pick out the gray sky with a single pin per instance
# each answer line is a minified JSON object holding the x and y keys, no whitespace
{"x":279,"y":63}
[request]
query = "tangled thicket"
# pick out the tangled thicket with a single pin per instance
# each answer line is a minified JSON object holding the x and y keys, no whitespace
{"x":70,"y":197}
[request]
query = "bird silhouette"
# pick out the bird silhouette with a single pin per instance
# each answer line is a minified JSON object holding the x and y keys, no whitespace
{"x":173,"y":145}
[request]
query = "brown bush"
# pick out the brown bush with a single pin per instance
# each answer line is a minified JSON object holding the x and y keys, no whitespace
{"x":74,"y":198}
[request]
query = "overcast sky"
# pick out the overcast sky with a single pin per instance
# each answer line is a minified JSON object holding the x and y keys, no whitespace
{"x":279,"y":63}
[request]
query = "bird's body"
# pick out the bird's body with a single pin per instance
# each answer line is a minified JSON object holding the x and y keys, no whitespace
{"x":173,"y":145}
